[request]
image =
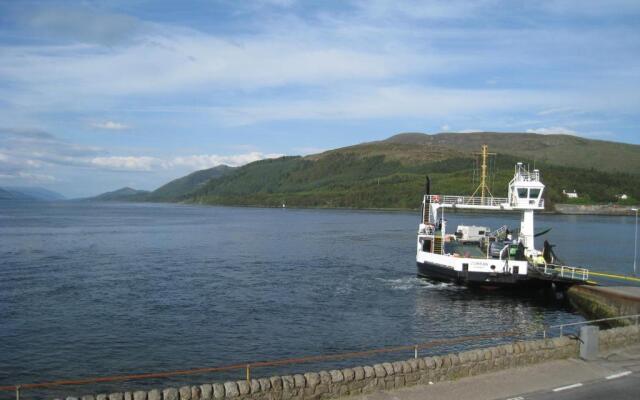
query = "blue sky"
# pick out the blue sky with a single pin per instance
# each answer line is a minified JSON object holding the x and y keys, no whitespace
{"x":96,"y":95}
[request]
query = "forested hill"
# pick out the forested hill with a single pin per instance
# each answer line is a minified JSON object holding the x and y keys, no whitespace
{"x":390,"y":173}
{"x":561,"y":150}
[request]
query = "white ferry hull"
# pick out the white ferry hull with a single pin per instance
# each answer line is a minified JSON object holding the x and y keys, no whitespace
{"x":443,"y":273}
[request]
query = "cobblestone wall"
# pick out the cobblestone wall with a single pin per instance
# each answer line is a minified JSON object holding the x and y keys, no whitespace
{"x":619,"y":337}
{"x":364,"y":379}
{"x":388,"y":375}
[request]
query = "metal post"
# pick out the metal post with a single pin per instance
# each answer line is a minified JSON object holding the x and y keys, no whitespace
{"x":635,"y":244}
{"x":17,"y":392}
{"x":248,"y":372}
{"x":561,"y":327}
{"x":415,"y":351}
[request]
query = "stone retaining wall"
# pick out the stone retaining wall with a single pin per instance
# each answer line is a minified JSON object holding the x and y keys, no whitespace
{"x":619,"y":337}
{"x":389,"y":375}
{"x":603,"y":302}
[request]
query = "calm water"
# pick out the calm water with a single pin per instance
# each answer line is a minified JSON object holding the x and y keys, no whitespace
{"x":98,"y":289}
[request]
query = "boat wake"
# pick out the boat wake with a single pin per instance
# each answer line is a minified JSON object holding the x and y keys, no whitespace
{"x":414,"y":283}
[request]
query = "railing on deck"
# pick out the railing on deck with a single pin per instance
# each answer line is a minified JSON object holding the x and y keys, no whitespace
{"x":461,"y":201}
{"x":467,"y":200}
{"x":564,"y":271}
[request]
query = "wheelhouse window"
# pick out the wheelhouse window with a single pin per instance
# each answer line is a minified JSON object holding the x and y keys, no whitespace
{"x":522,"y":193}
{"x":534,"y":193}
{"x":426,"y":245}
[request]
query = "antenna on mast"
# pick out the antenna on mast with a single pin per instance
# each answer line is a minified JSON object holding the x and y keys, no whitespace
{"x":483,"y":188}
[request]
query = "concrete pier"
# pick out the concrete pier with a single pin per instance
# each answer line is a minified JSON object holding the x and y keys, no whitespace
{"x":605,"y":301}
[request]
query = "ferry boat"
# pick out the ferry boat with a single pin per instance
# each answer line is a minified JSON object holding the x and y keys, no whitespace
{"x":477,"y":256}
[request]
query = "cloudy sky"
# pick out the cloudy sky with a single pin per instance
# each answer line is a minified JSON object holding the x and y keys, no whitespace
{"x":96,"y":95}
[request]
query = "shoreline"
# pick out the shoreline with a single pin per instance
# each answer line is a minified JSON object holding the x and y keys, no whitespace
{"x":593,"y":209}
{"x":559,"y":209}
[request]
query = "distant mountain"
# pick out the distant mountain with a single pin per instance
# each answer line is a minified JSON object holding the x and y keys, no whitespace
{"x":7,"y":195}
{"x":182,"y":187}
{"x":124,"y":194}
{"x":29,"y":193}
{"x":390,"y":173}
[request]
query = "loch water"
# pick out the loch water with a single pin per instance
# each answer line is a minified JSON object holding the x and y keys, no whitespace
{"x":92,"y":289}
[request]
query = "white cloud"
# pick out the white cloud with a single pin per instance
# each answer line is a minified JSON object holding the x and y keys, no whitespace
{"x":368,"y":59}
{"x":390,"y":101}
{"x":79,"y":24}
{"x":553,"y":130}
{"x":26,"y":151}
{"x":110,"y":125}
{"x":555,"y":111}
{"x":189,"y":162}
{"x":445,"y":128}
{"x":127,"y":163}
{"x":36,"y":178}
{"x":180,"y":62}
{"x":204,"y":161}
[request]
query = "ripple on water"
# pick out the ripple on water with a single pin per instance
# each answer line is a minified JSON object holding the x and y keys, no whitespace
{"x":100,"y":289}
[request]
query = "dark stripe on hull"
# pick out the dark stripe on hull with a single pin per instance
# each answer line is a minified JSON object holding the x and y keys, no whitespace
{"x":481,"y":279}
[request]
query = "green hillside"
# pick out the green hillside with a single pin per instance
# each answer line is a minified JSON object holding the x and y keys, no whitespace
{"x":391,"y":173}
{"x":124,"y":194}
{"x":563,"y":150}
{"x":350,"y":180}
{"x":178,"y":188}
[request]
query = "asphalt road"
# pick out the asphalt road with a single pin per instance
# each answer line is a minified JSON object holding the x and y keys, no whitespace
{"x":615,"y":375}
{"x":621,"y":382}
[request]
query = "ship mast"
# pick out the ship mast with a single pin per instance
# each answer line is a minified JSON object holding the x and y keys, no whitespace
{"x":483,"y":187}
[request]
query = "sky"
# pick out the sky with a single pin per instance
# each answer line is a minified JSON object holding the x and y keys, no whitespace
{"x":97,"y":95}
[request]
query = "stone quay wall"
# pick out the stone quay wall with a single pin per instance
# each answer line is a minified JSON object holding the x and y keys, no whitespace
{"x":604,"y":302}
{"x":619,"y":337}
{"x":385,"y":376}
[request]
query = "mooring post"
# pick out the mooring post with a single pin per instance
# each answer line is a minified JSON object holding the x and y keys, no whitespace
{"x":17,"y":392}
{"x":415,"y":351}
{"x":248,"y":373}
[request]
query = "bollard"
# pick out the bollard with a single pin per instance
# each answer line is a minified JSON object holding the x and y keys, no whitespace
{"x":589,"y":336}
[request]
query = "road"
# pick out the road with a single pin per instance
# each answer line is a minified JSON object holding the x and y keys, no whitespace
{"x":622,"y":387}
{"x":615,"y":375}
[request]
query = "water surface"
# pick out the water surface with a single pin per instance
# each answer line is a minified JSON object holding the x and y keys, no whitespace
{"x":99,"y":289}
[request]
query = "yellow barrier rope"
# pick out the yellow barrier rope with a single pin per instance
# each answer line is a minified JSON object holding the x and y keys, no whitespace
{"x":615,"y":276}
